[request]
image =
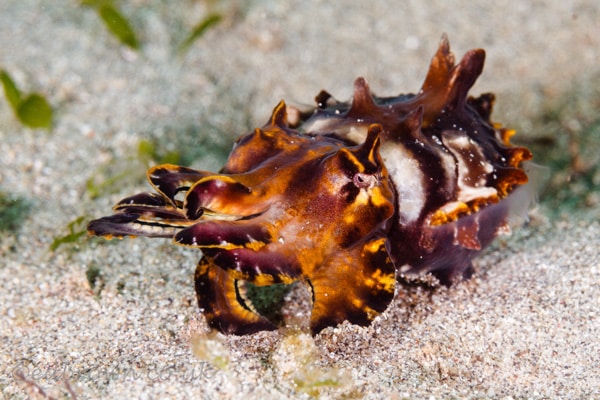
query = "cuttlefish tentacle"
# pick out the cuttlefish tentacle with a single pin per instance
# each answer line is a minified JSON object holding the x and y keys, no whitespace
{"x":243,"y":248}
{"x":337,"y":298}
{"x":225,"y":195}
{"x":144,"y":214}
{"x":222,"y":300}
{"x":170,"y":180}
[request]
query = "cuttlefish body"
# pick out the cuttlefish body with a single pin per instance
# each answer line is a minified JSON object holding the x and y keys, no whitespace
{"x":345,"y":197}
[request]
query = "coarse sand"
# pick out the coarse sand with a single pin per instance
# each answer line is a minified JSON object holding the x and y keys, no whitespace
{"x":98,"y":319}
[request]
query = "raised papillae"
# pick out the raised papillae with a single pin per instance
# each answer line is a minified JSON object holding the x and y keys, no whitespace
{"x":346,"y":197}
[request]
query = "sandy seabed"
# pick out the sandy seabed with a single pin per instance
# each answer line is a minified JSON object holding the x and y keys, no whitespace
{"x":525,"y":326}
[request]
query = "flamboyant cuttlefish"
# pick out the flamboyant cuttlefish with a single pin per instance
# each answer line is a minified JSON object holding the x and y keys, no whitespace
{"x":345,"y":197}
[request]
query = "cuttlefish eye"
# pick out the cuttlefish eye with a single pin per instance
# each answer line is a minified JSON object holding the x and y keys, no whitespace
{"x":363,"y":164}
{"x":365,"y":181}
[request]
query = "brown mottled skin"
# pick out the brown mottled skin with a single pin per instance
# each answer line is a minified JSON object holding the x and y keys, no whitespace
{"x":350,"y":196}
